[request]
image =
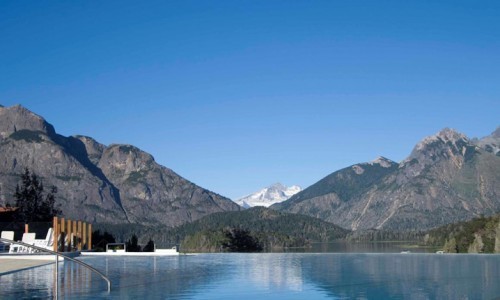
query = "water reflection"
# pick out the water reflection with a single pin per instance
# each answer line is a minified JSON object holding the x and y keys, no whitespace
{"x":26,"y":284}
{"x":267,"y":276}
{"x":44,"y":282}
{"x":364,"y":247}
{"x":273,"y":271}
{"x":403,"y":276}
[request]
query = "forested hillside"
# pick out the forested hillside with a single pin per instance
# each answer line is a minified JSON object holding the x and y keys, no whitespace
{"x":273,"y":229}
{"x":480,"y":235}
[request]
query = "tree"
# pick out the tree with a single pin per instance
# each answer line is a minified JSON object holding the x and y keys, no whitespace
{"x":132,"y":244}
{"x":101,"y":240}
{"x":150,"y":247}
{"x":240,"y":240}
{"x":33,"y":205}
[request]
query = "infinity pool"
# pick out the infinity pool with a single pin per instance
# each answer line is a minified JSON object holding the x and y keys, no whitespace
{"x":266,"y":276}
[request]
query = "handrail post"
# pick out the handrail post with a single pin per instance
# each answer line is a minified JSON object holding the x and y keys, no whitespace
{"x":57,"y":277}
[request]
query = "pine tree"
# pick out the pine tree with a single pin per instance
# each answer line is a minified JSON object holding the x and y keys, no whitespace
{"x":150,"y":247}
{"x":31,"y":202}
{"x":132,"y":244}
{"x":240,"y":240}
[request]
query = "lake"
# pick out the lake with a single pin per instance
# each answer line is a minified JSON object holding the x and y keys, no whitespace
{"x":268,"y":276}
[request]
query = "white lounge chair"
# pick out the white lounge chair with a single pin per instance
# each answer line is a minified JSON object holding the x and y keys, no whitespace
{"x":47,"y":242}
{"x":9,"y":235}
{"x":28,"y":238}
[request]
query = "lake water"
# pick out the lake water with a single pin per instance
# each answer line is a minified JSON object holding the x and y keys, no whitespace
{"x":268,"y":276}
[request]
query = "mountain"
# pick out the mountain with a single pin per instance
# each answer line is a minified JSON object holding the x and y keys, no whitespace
{"x":268,"y":196}
{"x":97,"y":183}
{"x":447,"y":178}
{"x":491,"y":143}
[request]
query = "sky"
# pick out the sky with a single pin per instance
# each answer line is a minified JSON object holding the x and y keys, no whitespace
{"x":238,"y":95}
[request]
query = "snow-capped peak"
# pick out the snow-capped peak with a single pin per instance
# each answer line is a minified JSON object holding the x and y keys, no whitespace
{"x":268,"y":196}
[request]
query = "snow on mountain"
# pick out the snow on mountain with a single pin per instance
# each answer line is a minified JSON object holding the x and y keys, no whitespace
{"x":268,"y":196}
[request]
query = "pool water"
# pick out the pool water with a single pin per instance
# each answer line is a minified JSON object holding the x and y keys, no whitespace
{"x":266,"y":276}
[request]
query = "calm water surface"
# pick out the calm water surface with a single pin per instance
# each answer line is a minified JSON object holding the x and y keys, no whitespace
{"x":268,"y":276}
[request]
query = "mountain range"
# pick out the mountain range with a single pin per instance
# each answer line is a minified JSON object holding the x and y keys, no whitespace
{"x":118,"y":184}
{"x":447,"y":178}
{"x":268,"y":196}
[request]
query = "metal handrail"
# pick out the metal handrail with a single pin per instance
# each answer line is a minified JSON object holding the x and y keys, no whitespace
{"x":65,"y":257}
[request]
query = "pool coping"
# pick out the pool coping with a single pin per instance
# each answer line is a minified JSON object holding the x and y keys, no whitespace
{"x":13,"y":265}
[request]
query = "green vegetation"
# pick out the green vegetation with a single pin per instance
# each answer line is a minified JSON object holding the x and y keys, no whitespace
{"x":374,"y":235}
{"x":137,"y":177}
{"x":270,"y":229}
{"x":132,"y":244}
{"x":260,"y":228}
{"x":227,"y":240}
{"x":240,"y":240}
{"x":274,"y":230}
{"x":100,"y":240}
{"x":126,"y":148}
{"x":123,"y":232}
{"x":150,"y":247}
{"x":33,"y":205}
{"x":203,"y":241}
{"x":29,"y":136}
{"x":478,"y":235}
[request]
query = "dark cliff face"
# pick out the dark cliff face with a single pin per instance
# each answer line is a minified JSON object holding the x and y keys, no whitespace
{"x":115,"y":184}
{"x":151,"y":193}
{"x":446,"y":178}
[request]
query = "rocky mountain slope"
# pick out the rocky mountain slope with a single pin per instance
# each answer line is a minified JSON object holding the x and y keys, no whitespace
{"x":447,"y":178}
{"x":98,"y":183}
{"x":268,"y":196}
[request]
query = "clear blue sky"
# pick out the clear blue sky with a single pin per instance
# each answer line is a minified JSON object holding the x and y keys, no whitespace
{"x":237,"y":95}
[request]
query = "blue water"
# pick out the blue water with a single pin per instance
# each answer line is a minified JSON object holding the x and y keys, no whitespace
{"x":267,"y":276}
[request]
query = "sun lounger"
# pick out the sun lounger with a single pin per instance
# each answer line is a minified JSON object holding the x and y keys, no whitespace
{"x":47,"y":242}
{"x":9,"y":235}
{"x":28,"y":238}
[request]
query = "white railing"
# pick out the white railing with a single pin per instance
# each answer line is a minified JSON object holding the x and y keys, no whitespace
{"x":57,"y":260}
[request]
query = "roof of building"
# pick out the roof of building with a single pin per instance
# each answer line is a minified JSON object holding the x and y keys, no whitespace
{"x":7,"y":209}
